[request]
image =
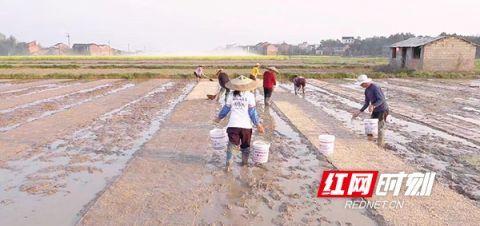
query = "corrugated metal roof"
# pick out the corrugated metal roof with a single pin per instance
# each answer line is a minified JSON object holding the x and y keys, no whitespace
{"x":416,"y":41}
{"x":421,"y":41}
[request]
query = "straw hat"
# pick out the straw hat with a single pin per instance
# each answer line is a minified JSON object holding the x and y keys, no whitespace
{"x":273,"y":69}
{"x":363,"y":79}
{"x":241,"y":83}
{"x":257,"y":64}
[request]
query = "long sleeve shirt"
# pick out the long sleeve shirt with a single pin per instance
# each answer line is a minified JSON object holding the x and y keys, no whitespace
{"x":375,"y":96}
{"x":255,"y":71}
{"x":269,"y":79}
{"x":199,"y":71}
{"x":223,"y":79}
{"x":242,"y":111}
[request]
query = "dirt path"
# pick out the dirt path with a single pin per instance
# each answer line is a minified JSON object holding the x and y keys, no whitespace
{"x":445,"y":206}
{"x":65,"y":175}
{"x":175,"y":182}
{"x":32,"y":97}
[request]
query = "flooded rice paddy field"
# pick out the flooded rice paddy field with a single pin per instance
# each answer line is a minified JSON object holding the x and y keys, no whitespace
{"x":433,"y":123}
{"x":91,"y":130}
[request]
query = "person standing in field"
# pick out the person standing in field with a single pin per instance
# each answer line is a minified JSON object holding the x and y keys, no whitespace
{"x":255,"y":72}
{"x":222,"y":81}
{"x":376,"y":103}
{"x":241,"y":106}
{"x":269,"y":83}
{"x":253,"y":75}
{"x":299,"y":83}
{"x":198,"y":72}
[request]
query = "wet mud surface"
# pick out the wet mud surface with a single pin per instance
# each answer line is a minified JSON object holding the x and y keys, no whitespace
{"x":63,"y":176}
{"x":74,"y":176}
{"x":454,"y":158}
{"x":282,"y":191}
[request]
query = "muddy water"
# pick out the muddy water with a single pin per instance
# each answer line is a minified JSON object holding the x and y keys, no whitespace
{"x":282,"y":191}
{"x":454,"y":159}
{"x":70,"y":172}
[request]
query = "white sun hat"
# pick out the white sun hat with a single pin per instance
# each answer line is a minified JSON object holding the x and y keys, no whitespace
{"x":362,"y":79}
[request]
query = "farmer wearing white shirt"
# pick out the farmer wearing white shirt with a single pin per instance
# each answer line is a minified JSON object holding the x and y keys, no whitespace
{"x":198,"y":72}
{"x":241,"y":106}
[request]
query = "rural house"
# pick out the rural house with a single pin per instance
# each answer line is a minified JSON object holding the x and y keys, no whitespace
{"x":348,"y":40}
{"x":443,"y":53}
{"x":57,"y":49}
{"x":271,"y":50}
{"x":92,"y":49}
{"x":33,"y":48}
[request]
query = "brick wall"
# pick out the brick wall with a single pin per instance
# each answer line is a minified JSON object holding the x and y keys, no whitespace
{"x":449,"y":54}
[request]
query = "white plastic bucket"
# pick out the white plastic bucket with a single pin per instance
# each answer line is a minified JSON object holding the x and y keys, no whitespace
{"x":327,"y":144}
{"x":218,"y":138}
{"x":371,"y":126}
{"x":260,"y":151}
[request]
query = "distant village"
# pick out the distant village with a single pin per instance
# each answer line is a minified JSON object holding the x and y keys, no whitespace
{"x":92,"y":49}
{"x":338,"y":47}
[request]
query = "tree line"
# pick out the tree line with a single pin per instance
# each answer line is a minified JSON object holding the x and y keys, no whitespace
{"x":10,"y":46}
{"x":378,"y":45}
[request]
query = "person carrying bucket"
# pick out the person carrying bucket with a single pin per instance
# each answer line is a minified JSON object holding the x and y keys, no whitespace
{"x":241,"y":106}
{"x":376,"y":103}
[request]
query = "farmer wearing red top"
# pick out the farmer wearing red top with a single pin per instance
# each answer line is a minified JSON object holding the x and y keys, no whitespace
{"x":269,"y":83}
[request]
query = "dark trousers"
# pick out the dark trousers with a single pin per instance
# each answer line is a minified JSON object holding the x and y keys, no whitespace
{"x":267,"y":92}
{"x":240,"y":136}
{"x":382,"y":118}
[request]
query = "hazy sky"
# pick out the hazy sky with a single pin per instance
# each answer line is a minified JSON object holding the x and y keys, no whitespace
{"x":195,"y":25}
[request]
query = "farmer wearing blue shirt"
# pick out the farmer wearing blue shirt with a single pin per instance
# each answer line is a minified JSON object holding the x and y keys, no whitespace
{"x":376,"y":103}
{"x":243,"y":114}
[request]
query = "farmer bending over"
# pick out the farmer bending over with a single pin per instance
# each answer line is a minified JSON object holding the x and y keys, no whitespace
{"x":299,"y":83}
{"x":241,"y":106}
{"x":222,"y":81}
{"x":376,"y":103}
{"x":198,"y":72}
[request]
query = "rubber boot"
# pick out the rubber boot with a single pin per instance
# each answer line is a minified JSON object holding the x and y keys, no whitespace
{"x":229,"y":161}
{"x":267,"y":101}
{"x":245,"y":154}
{"x":381,"y":134}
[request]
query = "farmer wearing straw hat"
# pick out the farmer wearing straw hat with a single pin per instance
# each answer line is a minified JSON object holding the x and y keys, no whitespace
{"x":241,"y":106}
{"x":269,"y":83}
{"x":376,"y":103}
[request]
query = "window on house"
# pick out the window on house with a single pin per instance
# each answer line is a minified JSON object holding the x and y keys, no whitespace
{"x":417,"y":51}
{"x":394,"y":52}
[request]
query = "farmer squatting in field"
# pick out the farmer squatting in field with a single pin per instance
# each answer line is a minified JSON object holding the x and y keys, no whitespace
{"x":241,"y":106}
{"x":376,"y":103}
